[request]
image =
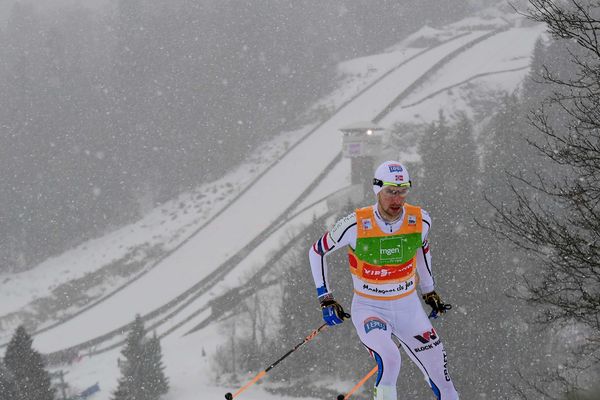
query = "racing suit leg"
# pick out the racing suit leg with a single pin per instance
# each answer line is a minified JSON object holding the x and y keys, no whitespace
{"x":375,"y":332}
{"x":425,"y":348}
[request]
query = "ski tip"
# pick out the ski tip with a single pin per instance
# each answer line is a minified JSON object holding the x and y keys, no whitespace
{"x":341,"y":397}
{"x":228,"y":396}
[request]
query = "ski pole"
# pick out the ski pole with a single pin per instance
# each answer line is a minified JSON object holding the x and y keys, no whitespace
{"x":358,"y":385}
{"x":307,"y":339}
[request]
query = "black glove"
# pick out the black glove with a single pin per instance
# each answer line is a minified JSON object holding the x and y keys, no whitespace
{"x":333,"y":313}
{"x":435,"y":302}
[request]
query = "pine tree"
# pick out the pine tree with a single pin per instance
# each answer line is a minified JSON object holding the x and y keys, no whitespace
{"x":142,"y":370}
{"x":432,"y":147}
{"x":156,"y":383}
{"x":32,"y":381}
{"x":128,"y":388}
{"x":505,"y":147}
{"x":532,"y":90}
{"x":7,"y":385}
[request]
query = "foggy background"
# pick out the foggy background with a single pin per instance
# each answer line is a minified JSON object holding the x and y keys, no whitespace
{"x":109,"y":108}
{"x":107,"y":111}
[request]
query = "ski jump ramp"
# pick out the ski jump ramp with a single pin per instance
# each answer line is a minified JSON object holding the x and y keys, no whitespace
{"x":247,"y":217}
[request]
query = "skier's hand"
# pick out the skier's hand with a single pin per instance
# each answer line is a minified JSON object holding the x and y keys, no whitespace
{"x":333,"y":313}
{"x":435,"y":302}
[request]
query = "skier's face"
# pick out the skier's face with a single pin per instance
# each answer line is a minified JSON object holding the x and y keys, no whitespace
{"x":391,"y":200}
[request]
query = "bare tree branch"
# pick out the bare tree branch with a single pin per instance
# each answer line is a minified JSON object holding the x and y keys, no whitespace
{"x":554,"y":215}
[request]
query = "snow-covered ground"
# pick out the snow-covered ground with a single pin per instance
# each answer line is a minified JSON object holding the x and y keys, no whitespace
{"x":253,"y":198}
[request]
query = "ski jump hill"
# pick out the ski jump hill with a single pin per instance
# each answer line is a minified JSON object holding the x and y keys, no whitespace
{"x":175,"y":295}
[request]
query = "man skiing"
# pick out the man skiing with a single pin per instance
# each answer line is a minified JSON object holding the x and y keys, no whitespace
{"x":387,"y":249}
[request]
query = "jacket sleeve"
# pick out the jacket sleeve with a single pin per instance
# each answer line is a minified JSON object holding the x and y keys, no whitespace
{"x":426,"y":281}
{"x":342,"y":234}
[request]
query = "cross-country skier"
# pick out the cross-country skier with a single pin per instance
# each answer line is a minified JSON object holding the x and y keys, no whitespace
{"x":387,"y":249}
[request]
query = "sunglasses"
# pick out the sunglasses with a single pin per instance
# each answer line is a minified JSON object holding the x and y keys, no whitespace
{"x":392,"y":189}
